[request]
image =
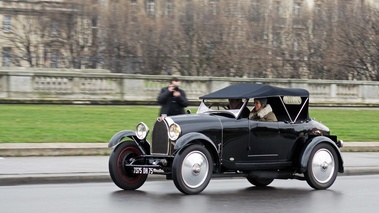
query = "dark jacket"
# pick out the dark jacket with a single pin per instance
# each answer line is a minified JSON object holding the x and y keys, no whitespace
{"x":172,"y":105}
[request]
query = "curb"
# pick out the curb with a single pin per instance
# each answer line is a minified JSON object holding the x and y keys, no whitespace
{"x":101,"y":149}
{"x":54,"y":149}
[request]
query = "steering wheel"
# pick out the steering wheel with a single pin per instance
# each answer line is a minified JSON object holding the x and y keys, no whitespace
{"x":217,"y":105}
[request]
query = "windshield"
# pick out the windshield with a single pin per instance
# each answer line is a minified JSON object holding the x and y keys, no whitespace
{"x":218,"y":107}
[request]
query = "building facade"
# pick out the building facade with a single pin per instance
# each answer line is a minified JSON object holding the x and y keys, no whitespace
{"x":243,"y":38}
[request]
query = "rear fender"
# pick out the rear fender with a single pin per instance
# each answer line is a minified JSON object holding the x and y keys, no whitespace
{"x":308,"y":149}
{"x":119,"y":138}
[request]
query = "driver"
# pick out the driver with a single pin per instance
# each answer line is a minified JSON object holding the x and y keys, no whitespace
{"x":262,"y":111}
{"x":237,"y":104}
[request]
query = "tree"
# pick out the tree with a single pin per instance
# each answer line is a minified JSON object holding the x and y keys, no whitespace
{"x":359,"y":43}
{"x":24,"y":38}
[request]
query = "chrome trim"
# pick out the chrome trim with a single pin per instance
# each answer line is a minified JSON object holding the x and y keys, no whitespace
{"x":195,"y":168}
{"x":323,"y":165}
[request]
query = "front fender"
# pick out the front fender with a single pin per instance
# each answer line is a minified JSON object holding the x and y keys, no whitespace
{"x":308,"y":149}
{"x":117,"y":138}
{"x":187,"y":138}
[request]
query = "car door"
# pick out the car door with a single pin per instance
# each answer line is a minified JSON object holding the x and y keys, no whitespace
{"x":264,"y":143}
{"x":235,"y":139}
{"x":287,"y":137}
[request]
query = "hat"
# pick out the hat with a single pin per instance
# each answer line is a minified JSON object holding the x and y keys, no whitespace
{"x":262,"y":100}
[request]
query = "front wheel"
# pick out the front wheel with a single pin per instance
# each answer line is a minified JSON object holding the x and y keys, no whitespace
{"x":322,"y":167}
{"x":192,"y":169}
{"x":122,"y":176}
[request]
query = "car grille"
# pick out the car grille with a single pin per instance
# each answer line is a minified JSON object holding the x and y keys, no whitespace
{"x":160,"y":141}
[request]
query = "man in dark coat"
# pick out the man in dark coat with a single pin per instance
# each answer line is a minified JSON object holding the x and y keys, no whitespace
{"x":172,"y":99}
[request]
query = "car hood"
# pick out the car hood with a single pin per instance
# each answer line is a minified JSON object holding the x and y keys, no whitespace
{"x":201,"y":122}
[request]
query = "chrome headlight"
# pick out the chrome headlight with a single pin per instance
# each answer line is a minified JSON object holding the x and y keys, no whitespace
{"x":174,"y":131}
{"x":141,"y":131}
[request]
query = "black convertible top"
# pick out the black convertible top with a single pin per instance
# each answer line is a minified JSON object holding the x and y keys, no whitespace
{"x":251,"y":90}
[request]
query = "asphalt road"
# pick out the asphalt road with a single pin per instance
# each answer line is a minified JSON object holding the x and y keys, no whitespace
{"x":72,"y":169}
{"x":348,"y":194}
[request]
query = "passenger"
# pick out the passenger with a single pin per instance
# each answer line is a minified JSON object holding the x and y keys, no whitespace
{"x":262,"y":111}
{"x":237,"y":104}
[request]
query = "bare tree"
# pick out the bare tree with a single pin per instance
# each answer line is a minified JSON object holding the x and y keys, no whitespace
{"x":359,"y":43}
{"x":24,"y":38}
{"x":119,"y":37}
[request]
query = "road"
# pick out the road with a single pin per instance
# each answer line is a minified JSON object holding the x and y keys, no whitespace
{"x":348,"y":194}
{"x":69,"y":169}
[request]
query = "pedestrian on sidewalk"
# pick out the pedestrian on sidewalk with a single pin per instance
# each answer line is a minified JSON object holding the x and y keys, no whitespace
{"x":172,"y":99}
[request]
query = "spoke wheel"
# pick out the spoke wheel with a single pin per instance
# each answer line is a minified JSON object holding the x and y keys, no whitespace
{"x":322,"y":167}
{"x":122,"y":176}
{"x":192,"y":169}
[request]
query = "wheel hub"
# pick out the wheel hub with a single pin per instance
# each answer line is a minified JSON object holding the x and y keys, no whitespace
{"x":196,"y":169}
{"x":324,"y":166}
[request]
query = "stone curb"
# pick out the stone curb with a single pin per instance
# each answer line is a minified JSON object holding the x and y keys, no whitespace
{"x":101,"y":149}
{"x":53,"y":149}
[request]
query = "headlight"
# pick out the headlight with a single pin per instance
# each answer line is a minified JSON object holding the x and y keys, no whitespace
{"x":174,"y":131}
{"x":142,"y":130}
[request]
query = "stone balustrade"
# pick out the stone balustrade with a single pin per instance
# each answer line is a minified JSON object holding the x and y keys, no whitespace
{"x":100,"y":86}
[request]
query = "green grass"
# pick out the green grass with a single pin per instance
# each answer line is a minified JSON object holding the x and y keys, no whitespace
{"x":352,"y":125}
{"x":72,"y":123}
{"x":62,"y":123}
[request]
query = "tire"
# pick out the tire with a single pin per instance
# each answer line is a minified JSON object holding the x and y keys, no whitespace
{"x":260,"y":182}
{"x":192,"y":169}
{"x":121,"y":176}
{"x":322,"y":167}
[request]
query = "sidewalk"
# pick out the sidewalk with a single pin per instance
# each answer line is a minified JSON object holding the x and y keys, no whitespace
{"x":95,"y":149}
{"x":89,"y":162}
{"x":80,"y":169}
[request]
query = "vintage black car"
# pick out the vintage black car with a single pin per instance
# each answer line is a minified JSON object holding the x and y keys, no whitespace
{"x":190,"y":149}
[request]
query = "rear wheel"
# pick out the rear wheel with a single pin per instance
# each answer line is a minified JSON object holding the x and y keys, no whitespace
{"x":322,"y":167}
{"x":122,"y":176}
{"x":260,"y":182}
{"x":192,"y":169}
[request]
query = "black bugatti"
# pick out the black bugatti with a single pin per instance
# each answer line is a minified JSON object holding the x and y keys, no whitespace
{"x":217,"y":141}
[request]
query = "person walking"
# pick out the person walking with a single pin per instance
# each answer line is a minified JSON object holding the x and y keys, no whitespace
{"x":172,"y":99}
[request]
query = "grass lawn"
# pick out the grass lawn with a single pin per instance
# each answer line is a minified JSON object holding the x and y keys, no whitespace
{"x":72,"y":123}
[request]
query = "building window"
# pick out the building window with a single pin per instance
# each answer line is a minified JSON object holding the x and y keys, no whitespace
{"x":134,"y":5}
{"x":296,"y":45}
{"x":213,"y":7}
{"x":7,"y":57}
{"x":277,"y":9}
{"x":55,"y":28}
{"x":318,"y":18}
{"x":7,"y":23}
{"x":297,"y":9}
{"x":169,"y":8}
{"x":256,"y":10}
{"x":276,"y":40}
{"x":150,"y":7}
{"x":134,"y":10}
{"x":54,"y":63}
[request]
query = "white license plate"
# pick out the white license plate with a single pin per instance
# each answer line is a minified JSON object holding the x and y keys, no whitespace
{"x":144,"y":171}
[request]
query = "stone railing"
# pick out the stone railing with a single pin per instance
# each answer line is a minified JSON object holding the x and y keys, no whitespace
{"x":101,"y":86}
